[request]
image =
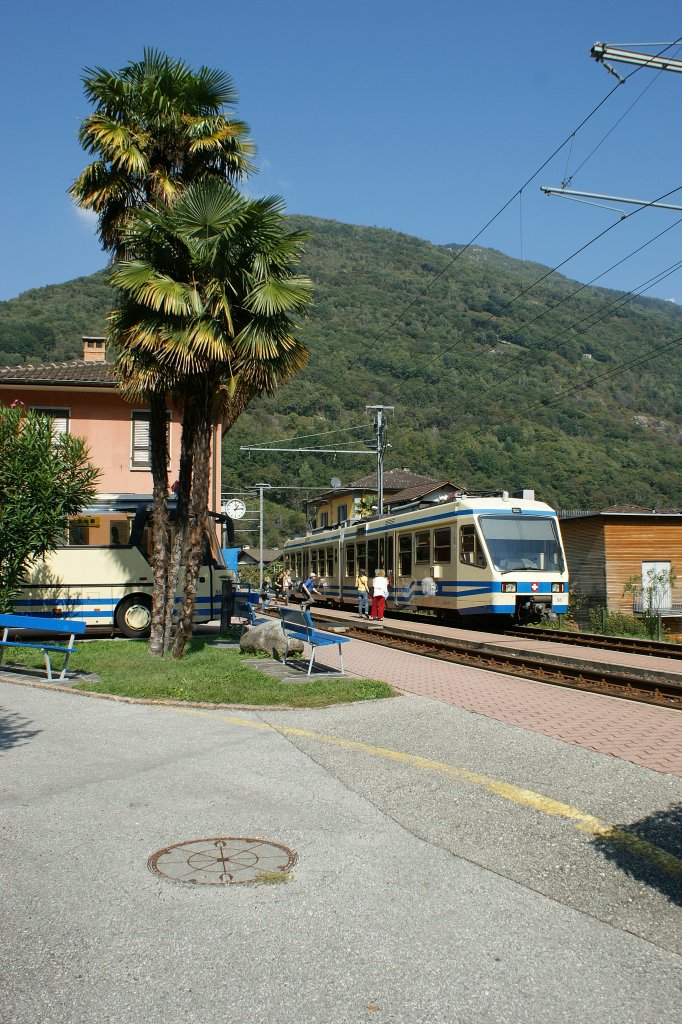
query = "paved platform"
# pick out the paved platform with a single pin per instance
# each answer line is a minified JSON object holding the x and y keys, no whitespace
{"x":451,"y":869}
{"x":639,"y":733}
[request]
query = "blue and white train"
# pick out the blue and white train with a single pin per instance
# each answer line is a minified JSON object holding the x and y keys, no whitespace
{"x":477,"y":555}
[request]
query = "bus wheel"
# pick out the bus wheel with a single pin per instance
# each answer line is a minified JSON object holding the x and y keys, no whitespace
{"x":134,"y":616}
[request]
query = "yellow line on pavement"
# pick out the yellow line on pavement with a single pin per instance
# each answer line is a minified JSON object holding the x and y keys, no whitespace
{"x":507,"y":791}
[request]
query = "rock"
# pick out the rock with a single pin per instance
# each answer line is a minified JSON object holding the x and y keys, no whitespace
{"x":267,"y":638}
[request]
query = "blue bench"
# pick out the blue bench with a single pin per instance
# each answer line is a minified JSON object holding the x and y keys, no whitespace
{"x":247,"y":610}
{"x":41,"y":624}
{"x":297,"y":625}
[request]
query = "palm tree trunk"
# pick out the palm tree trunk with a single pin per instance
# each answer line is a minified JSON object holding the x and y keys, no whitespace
{"x":160,"y":521}
{"x":196,"y":532}
{"x":185,"y":476}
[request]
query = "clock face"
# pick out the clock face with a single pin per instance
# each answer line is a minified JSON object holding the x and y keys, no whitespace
{"x":235,"y":508}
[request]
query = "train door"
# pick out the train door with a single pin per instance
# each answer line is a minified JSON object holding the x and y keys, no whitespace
{"x":473,"y":579}
{"x":403,"y":590}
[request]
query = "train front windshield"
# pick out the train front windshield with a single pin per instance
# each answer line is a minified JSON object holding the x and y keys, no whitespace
{"x":517,"y":542}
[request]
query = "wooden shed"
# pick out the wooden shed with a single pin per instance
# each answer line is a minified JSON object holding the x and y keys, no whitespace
{"x":606,"y":549}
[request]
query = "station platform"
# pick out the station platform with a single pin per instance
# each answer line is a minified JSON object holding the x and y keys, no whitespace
{"x":639,"y":733}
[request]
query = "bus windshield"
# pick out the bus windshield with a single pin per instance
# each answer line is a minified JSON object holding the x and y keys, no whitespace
{"x":518,"y":543}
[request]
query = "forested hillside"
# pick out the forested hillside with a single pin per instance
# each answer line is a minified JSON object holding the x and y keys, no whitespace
{"x":486,"y":394}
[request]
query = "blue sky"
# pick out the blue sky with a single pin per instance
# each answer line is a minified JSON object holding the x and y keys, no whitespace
{"x":420,"y":115}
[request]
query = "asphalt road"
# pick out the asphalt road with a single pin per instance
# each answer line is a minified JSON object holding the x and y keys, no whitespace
{"x":451,"y":869}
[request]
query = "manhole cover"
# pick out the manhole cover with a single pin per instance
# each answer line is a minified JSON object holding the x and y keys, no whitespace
{"x":226,"y":860}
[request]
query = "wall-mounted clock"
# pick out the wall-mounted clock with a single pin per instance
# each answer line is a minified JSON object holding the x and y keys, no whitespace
{"x":235,"y":508}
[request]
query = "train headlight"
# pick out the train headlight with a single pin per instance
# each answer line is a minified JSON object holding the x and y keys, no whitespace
{"x":508,"y":588}
{"x":557,"y":588}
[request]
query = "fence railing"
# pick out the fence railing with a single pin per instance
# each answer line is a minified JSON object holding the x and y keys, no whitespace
{"x":668,"y":604}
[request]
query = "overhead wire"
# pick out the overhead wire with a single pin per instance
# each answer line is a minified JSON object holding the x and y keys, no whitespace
{"x":524,"y":291}
{"x":627,"y":296}
{"x":609,"y":308}
{"x":511,"y":199}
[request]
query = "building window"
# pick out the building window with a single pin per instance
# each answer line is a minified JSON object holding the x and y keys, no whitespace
{"x":60,"y":419}
{"x":343,"y":514}
{"x":140,"y":456}
{"x":324,"y":519}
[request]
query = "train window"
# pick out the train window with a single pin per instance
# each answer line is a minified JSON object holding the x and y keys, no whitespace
{"x":422,"y":546}
{"x":361,"y":556}
{"x":313,"y":561}
{"x":372,"y":557}
{"x":405,"y":554}
{"x":441,"y":545}
{"x":470,"y":551}
{"x":350,"y":561}
{"x":329,"y":570}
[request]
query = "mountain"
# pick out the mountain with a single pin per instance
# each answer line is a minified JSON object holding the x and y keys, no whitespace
{"x":486,"y":392}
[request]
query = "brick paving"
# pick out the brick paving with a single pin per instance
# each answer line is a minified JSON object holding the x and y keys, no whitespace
{"x":639,"y":733}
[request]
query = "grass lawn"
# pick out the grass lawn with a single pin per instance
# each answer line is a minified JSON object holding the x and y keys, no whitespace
{"x":206,"y":673}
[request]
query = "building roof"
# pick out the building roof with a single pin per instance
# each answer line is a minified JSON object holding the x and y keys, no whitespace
{"x":619,"y":510}
{"x":421,"y":490}
{"x":76,"y":373}
{"x":253,"y":555}
{"x":395,"y":480}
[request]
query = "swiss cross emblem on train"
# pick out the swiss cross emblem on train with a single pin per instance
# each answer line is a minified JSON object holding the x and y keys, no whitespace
{"x":535,"y":587}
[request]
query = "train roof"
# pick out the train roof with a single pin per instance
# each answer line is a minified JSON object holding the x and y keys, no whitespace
{"x":431,"y":512}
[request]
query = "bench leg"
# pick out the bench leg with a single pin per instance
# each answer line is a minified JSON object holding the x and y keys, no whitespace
{"x":341,"y":658}
{"x":62,"y":674}
{"x":286,"y":651}
{"x":48,"y":666}
{"x":312,"y":659}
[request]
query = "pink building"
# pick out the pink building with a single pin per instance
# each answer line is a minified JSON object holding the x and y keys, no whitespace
{"x":82,"y":397}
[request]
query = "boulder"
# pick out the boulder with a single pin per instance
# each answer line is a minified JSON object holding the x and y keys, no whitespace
{"x":267,"y":638}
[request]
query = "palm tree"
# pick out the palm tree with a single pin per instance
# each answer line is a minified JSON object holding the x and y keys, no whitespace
{"x":207,"y":293}
{"x":157,"y":125}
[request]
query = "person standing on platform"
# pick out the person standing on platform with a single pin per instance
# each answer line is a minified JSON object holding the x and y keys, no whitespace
{"x":379,"y":595}
{"x":362,"y":584}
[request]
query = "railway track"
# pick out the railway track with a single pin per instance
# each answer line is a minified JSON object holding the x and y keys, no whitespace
{"x":629,"y":644}
{"x":630,"y":683}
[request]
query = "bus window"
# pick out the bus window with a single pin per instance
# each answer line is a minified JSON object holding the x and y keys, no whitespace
{"x":119,"y":532}
{"x":441,"y":545}
{"x":422,"y":546}
{"x":78,"y":534}
{"x":405,"y":554}
{"x":469,"y":547}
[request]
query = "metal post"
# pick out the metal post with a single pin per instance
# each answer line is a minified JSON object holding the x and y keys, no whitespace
{"x":261,"y":488}
{"x":379,"y":428}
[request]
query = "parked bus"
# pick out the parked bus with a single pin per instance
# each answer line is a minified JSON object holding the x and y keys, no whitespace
{"x":102,"y":572}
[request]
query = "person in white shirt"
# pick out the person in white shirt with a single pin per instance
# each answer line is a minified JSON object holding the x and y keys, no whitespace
{"x":379,"y":595}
